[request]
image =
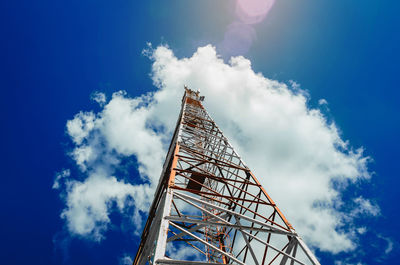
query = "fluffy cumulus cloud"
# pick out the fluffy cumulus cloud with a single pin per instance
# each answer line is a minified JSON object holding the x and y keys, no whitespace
{"x":88,"y":203}
{"x":298,"y":155}
{"x":101,"y":142}
{"x":294,"y":151}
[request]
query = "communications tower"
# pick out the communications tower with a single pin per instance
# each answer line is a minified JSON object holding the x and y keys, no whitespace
{"x":209,"y":208}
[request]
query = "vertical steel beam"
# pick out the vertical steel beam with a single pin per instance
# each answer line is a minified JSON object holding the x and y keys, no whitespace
{"x":161,"y":242}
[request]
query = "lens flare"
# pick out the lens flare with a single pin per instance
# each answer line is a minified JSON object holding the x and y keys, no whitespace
{"x":253,"y":11}
{"x":238,"y":39}
{"x":241,"y":34}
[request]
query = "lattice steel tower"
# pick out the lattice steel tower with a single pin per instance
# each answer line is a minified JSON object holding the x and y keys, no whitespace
{"x":209,"y":208}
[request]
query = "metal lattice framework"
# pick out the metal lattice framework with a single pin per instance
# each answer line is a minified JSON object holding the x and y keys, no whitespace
{"x":209,"y":208}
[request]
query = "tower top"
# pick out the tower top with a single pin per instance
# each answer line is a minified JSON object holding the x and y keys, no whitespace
{"x":195,"y":95}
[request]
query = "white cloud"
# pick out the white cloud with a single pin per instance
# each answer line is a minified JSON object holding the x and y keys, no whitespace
{"x":322,"y":101}
{"x":183,"y":252}
{"x":99,"y":97}
{"x":88,"y":203}
{"x":291,"y":148}
{"x":390,"y":244}
{"x":126,"y":260}
{"x":121,"y":127}
{"x":101,"y":140}
{"x":59,"y":176}
{"x":389,"y":247}
{"x":364,"y":206}
{"x":361,"y":230}
{"x":80,"y":127}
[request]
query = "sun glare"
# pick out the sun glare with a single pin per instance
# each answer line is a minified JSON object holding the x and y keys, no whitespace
{"x":253,"y":11}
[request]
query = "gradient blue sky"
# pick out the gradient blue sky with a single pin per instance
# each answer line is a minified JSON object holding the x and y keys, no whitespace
{"x":55,"y":54}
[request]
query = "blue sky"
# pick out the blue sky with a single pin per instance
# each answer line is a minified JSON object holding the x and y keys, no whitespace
{"x":55,"y":54}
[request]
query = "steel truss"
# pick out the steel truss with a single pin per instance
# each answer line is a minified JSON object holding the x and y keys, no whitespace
{"x":209,"y":201}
